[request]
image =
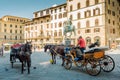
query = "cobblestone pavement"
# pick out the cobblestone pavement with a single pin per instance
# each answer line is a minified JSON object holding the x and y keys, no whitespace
{"x":41,"y":69}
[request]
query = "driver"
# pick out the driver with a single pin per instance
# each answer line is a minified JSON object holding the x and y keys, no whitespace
{"x":79,"y":51}
{"x":81,"y":44}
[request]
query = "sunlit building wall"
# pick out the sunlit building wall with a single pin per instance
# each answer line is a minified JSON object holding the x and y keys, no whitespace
{"x":93,"y":20}
{"x":12,"y":29}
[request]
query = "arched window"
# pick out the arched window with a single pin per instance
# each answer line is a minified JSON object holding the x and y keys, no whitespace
{"x":71,"y":17}
{"x":60,"y":15}
{"x":60,"y":24}
{"x":64,"y":14}
{"x":78,"y":6}
{"x":88,"y":40}
{"x":78,"y":25}
{"x":97,"y":11}
{"x":96,"y":22}
{"x":87,"y":3}
{"x":55,"y":33}
{"x":87,"y":24}
{"x":96,"y":1}
{"x":71,"y":8}
{"x":78,"y":15}
{"x":60,"y":32}
{"x":97,"y":38}
{"x":87,"y":13}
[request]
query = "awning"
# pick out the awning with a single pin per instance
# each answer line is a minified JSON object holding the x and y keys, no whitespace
{"x":7,"y":44}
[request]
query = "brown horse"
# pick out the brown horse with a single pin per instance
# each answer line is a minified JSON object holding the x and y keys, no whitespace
{"x":23,"y":53}
{"x":56,"y":50}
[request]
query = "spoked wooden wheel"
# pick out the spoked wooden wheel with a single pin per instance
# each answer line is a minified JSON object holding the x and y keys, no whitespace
{"x":107,"y":64}
{"x":67,"y":63}
{"x":79,"y":64}
{"x":93,"y":68}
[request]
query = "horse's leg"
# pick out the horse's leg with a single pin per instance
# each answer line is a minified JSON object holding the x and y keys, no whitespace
{"x":28,"y":66}
{"x":62,"y":61}
{"x":29,"y":63}
{"x":54,"y":58}
{"x":22,"y":67}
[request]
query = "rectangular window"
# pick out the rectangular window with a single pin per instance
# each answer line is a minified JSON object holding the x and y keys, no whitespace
{"x":5,"y":30}
{"x":113,"y":13}
{"x":21,"y":31}
{"x":15,"y":26}
{"x":109,"y":11}
{"x":10,"y":31}
{"x":113,"y":22}
{"x":113,"y":4}
{"x":108,"y":1}
{"x":5,"y":25}
{"x":51,"y":11}
{"x":97,"y":30}
{"x":87,"y":31}
{"x":15,"y":31}
{"x":60,"y":9}
{"x":109,"y":21}
{"x":11,"y":25}
{"x":47,"y":11}
{"x":55,"y":10}
{"x":70,"y":0}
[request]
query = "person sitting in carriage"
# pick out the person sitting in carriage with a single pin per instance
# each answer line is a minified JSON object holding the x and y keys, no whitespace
{"x":81,"y":44}
{"x":80,"y":50}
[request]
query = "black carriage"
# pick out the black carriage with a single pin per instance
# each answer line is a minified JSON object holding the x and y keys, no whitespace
{"x":22,"y":52}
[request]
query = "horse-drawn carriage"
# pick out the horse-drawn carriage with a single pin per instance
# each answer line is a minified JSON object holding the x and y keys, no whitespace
{"x":92,"y":60}
{"x":22,"y":52}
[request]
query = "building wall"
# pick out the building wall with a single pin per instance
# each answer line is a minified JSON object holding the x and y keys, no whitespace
{"x":11,"y":29}
{"x":49,"y":23}
{"x":90,"y":19}
{"x":112,"y":20}
{"x":86,"y":24}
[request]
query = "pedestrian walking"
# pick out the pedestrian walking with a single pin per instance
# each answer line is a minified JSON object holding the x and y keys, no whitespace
{"x":2,"y":50}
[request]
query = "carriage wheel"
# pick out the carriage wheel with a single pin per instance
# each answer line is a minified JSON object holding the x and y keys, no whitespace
{"x":107,"y":64}
{"x":93,"y":67}
{"x":68,"y":63}
{"x":79,"y":64}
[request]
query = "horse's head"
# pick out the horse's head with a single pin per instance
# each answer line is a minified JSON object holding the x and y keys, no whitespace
{"x":27,"y":47}
{"x":46,"y":47}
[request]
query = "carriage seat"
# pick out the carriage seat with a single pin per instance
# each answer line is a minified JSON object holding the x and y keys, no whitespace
{"x":91,"y":51}
{"x":96,"y":49}
{"x":15,"y":49}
